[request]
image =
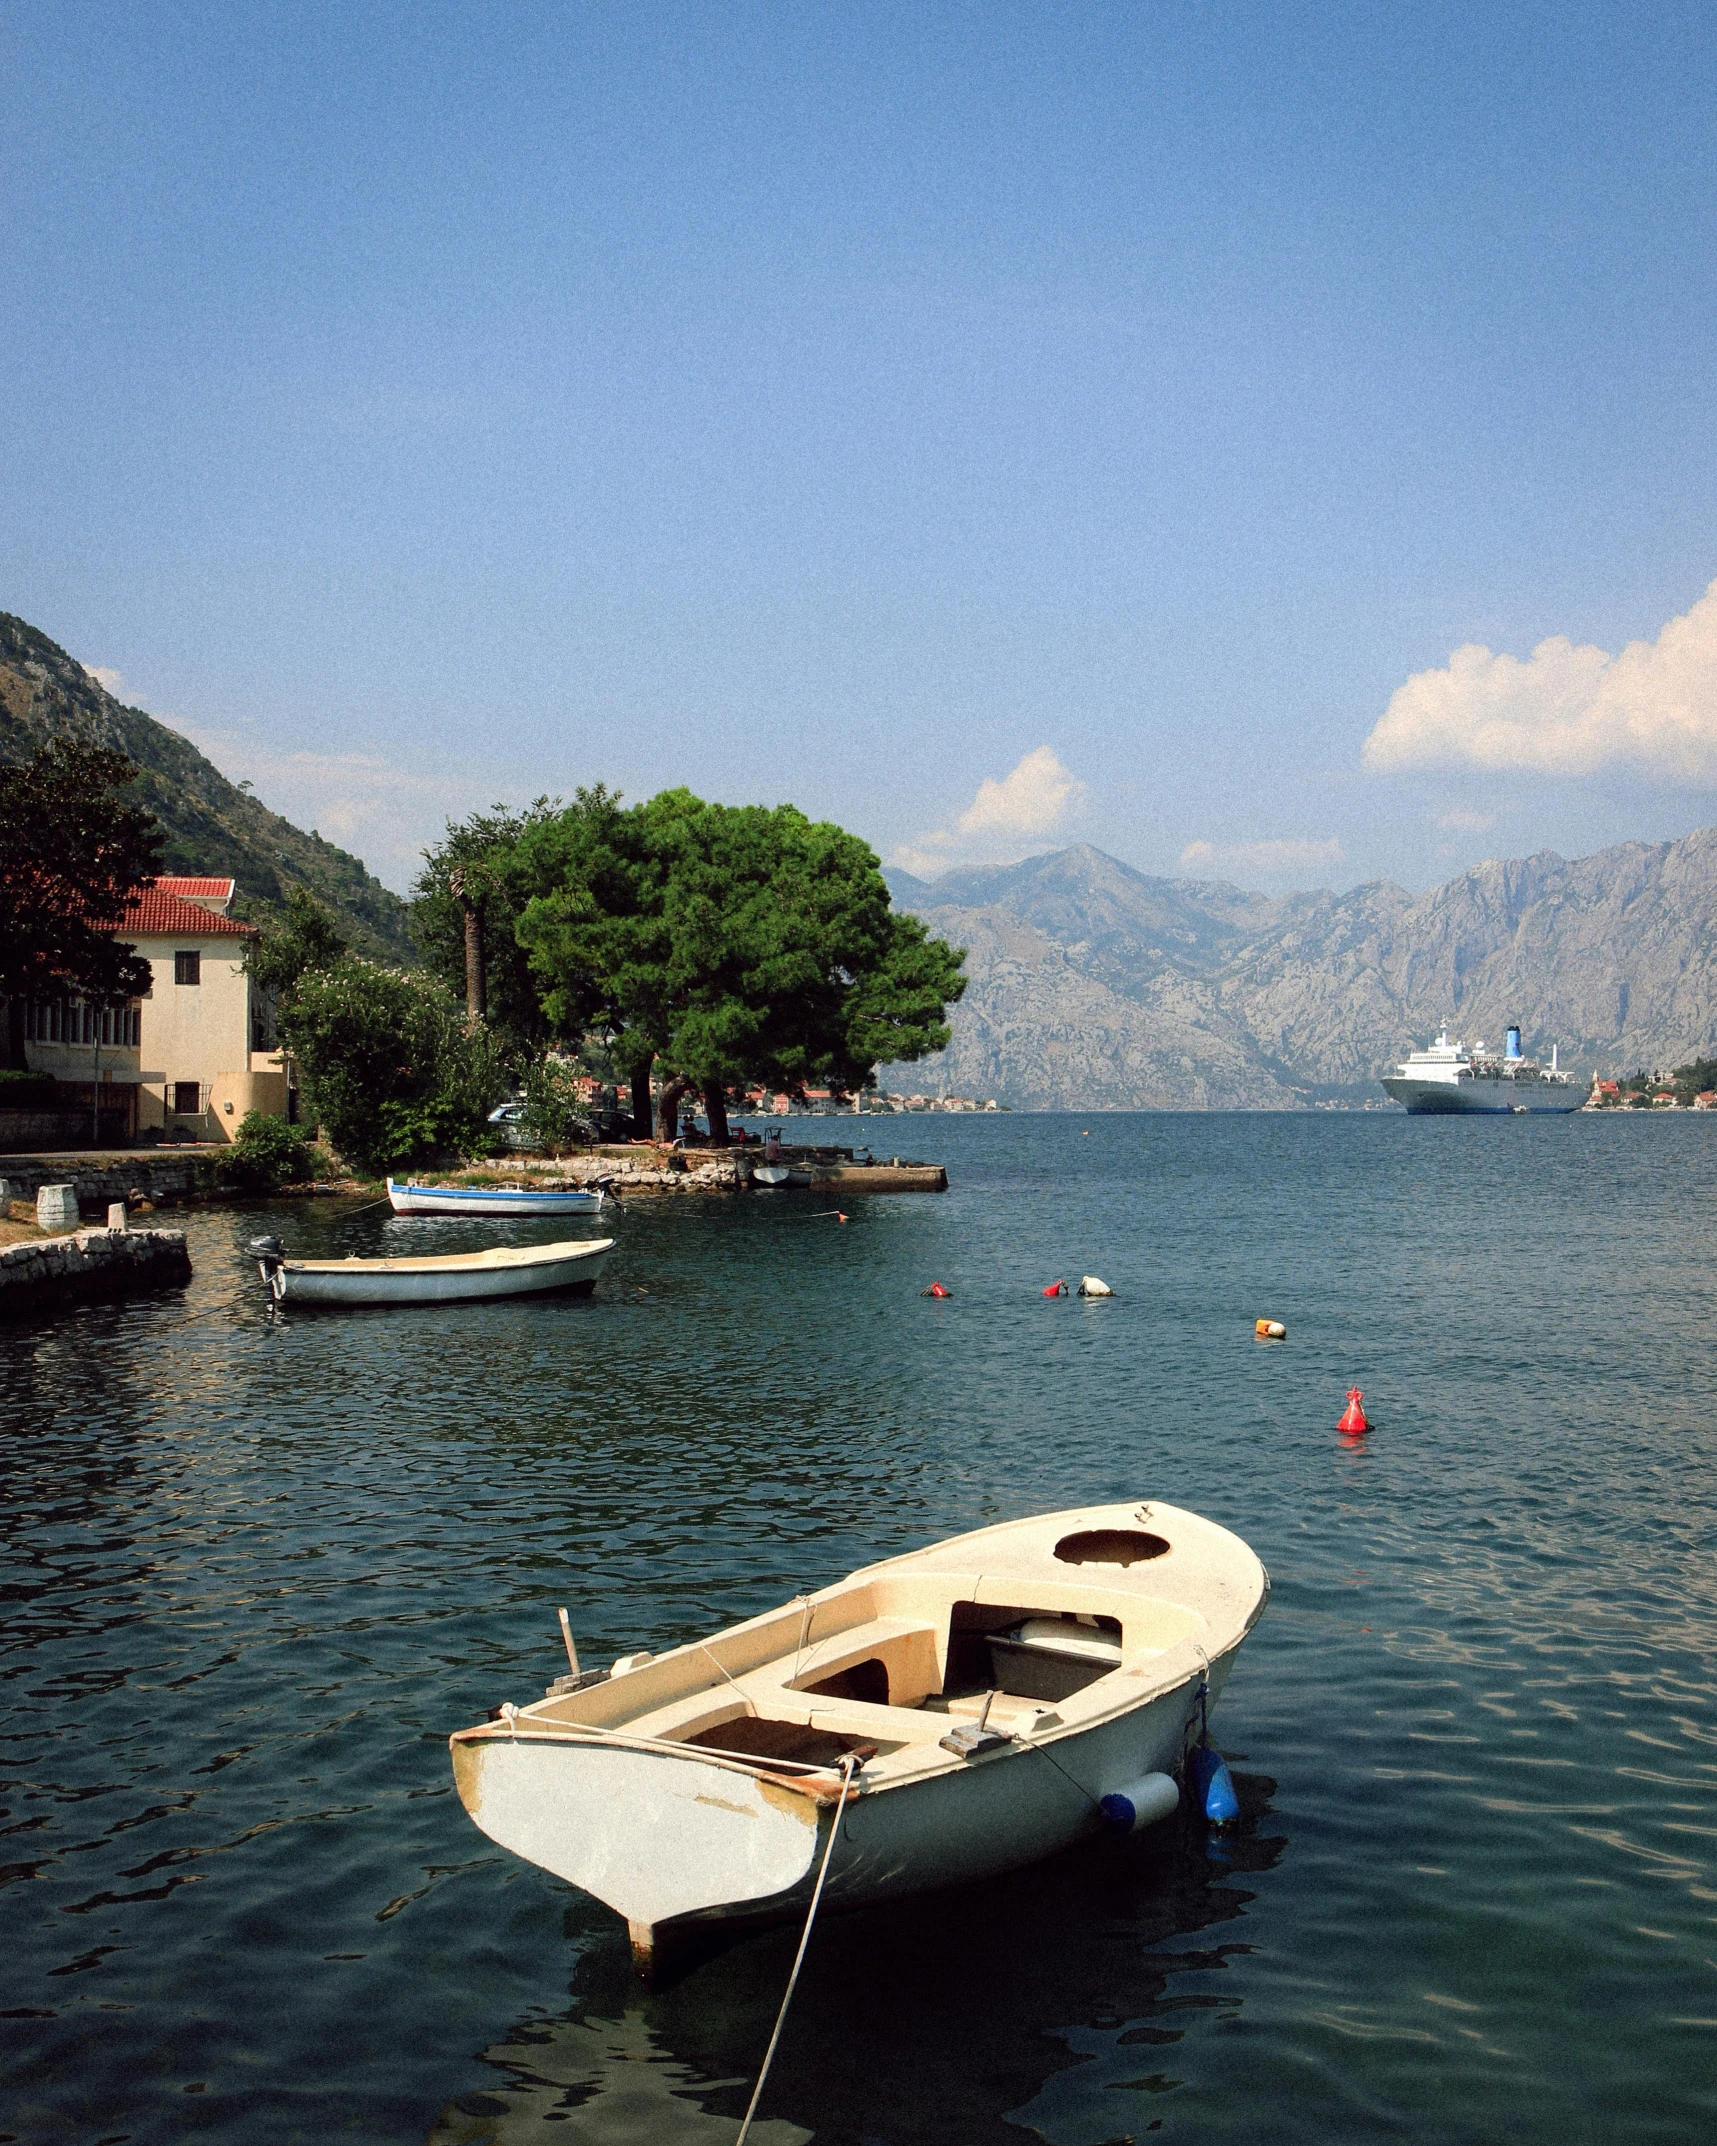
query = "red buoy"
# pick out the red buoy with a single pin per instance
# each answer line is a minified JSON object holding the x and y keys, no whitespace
{"x":1056,"y":1289}
{"x":1353,"y":1415}
{"x":935,"y":1290}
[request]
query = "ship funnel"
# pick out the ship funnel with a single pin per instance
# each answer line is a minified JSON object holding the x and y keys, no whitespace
{"x":1513,"y":1046}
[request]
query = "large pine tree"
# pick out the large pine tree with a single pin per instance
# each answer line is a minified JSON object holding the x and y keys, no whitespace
{"x":72,"y":852}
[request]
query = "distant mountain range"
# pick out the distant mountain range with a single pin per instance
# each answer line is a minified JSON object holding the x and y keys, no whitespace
{"x":1095,"y":987}
{"x":211,"y":825}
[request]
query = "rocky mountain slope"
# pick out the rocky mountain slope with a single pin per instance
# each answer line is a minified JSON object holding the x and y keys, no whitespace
{"x":211,"y":825}
{"x":1097,"y":987}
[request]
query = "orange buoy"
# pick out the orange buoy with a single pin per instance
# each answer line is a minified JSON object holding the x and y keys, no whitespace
{"x":935,"y":1290}
{"x":1269,"y":1329}
{"x":1353,"y":1416}
{"x":1056,"y":1289}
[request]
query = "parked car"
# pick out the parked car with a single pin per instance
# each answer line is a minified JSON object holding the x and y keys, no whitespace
{"x":508,"y":1119}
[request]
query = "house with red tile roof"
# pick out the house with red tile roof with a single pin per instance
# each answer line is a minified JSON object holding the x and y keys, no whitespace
{"x":191,"y":1056}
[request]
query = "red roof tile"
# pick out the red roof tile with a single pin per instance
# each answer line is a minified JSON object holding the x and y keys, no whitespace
{"x":158,"y":912}
{"x":192,"y":889}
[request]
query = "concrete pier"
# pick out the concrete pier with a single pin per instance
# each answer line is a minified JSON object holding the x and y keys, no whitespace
{"x":43,"y":1271}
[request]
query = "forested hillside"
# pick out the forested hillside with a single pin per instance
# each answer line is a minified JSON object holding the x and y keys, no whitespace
{"x":211,"y":824}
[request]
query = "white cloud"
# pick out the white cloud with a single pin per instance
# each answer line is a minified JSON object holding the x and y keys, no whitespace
{"x":1566,"y":710}
{"x":1005,"y":820}
{"x":112,"y":681}
{"x":1461,"y":822}
{"x":1034,"y":800}
{"x":1263,"y":860}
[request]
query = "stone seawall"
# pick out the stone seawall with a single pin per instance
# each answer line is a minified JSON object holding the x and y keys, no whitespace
{"x":91,"y":1263}
{"x":160,"y":1175}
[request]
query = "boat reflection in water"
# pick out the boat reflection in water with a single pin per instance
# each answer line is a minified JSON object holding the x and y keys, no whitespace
{"x":603,"y":2079}
{"x":1043,"y":2002}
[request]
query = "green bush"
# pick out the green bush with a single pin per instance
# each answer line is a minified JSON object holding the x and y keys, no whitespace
{"x":267,"y":1153}
{"x":27,"y":1091}
{"x":554,"y":1111}
{"x":387,"y":1066}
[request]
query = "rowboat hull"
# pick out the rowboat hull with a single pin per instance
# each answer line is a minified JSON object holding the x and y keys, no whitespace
{"x":732,"y":1849}
{"x":568,"y":1269}
{"x":635,"y":1803}
{"x":489,"y":1200}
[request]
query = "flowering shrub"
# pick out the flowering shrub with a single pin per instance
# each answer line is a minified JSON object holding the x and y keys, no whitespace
{"x":387,"y":1065}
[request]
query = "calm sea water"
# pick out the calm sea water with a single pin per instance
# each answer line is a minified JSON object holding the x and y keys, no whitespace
{"x":257,"y":1568}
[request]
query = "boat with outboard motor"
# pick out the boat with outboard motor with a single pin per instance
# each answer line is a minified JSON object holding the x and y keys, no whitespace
{"x":1450,"y":1077}
{"x":569,"y":1267}
{"x":965,"y":1709}
{"x":498,"y":1200}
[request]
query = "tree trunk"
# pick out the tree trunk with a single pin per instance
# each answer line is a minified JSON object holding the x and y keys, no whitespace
{"x":17,"y":1058}
{"x":715,"y":1107}
{"x":641,"y":1100}
{"x":668,"y":1099}
{"x":476,"y":983}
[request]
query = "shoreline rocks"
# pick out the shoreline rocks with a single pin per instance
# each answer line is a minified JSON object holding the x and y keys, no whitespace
{"x":711,"y":1170}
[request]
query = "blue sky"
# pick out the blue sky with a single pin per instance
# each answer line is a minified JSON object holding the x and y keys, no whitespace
{"x":1128,"y":409}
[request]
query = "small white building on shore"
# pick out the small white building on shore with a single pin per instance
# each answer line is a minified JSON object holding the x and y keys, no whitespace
{"x":192,"y":1055}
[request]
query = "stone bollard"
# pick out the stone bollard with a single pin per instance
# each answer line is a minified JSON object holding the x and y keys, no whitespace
{"x":5,"y":1197}
{"x":116,"y":1214}
{"x":57,"y":1207}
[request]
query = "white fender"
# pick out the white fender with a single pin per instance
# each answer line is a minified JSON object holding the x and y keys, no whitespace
{"x":1141,"y":1803}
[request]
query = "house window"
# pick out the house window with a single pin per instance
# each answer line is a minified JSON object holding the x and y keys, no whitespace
{"x":187,"y":1094}
{"x":187,"y":968}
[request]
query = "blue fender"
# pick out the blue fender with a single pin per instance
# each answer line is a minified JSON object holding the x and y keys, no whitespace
{"x":1211,"y":1786}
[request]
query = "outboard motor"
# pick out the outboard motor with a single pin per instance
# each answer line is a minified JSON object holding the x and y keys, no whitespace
{"x":269,"y":1254}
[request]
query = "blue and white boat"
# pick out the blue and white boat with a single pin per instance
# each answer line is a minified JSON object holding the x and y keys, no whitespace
{"x":411,"y":1199}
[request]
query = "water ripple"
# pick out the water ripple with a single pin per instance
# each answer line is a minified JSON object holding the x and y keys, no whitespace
{"x":255,"y":1568}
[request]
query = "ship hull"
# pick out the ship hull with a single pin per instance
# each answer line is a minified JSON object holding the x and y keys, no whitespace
{"x":1498,"y":1098}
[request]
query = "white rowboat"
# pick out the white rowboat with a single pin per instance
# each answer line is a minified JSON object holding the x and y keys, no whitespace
{"x":991,"y":1690}
{"x":570,"y":1267}
{"x":494,"y":1200}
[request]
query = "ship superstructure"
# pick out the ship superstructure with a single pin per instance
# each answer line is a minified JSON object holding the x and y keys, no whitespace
{"x":1450,"y":1076}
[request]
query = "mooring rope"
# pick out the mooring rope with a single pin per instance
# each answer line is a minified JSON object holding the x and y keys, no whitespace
{"x":847,"y":1769}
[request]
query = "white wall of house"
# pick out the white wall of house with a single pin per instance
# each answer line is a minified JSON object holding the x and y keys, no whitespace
{"x":194,"y":1036}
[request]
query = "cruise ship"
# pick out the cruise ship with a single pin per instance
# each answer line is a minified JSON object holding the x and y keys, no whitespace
{"x":1449,"y":1076}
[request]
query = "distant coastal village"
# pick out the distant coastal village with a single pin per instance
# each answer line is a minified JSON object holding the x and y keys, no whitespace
{"x":868,"y":1103}
{"x":1688,"y":1087}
